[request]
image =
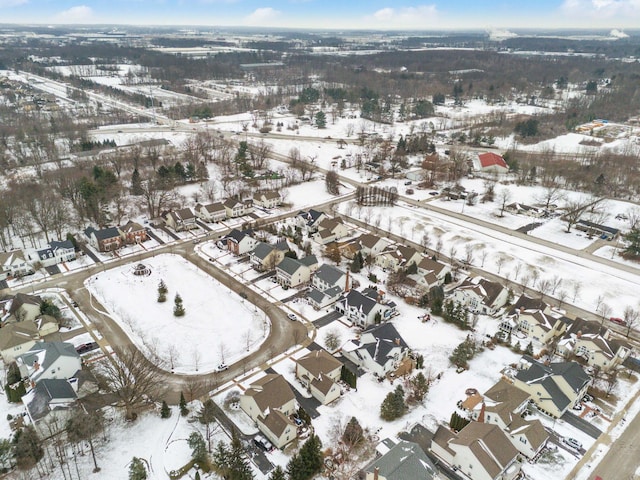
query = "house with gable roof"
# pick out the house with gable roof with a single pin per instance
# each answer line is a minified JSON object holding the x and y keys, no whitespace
{"x":265,"y":256}
{"x":319,"y":372}
{"x":554,"y":388}
{"x":328,"y":284}
{"x":212,"y":212}
{"x":490,"y":162}
{"x":49,"y":360}
{"x":54,"y":253}
{"x":16,"y":339}
{"x":309,"y":220}
{"x":133,"y":233}
{"x":180,"y":220}
{"x":594,"y":343}
{"x":291,"y":272}
{"x":395,"y":257}
{"x":480,"y":295}
{"x":24,"y":307}
{"x":13,"y":264}
{"x":541,"y":326}
{"x":480,"y":451}
{"x":51,"y":400}
{"x":380,"y":349}
{"x":405,"y":460}
{"x":269,"y":401}
{"x":365,"y":308}
{"x":270,"y":199}
{"x":240,"y":242}
{"x":104,"y":240}
{"x":330,"y":230}
{"x":371,"y":245}
{"x":503,"y":405}
{"x":237,"y":208}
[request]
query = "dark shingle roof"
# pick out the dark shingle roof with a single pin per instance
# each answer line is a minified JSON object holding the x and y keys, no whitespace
{"x":403,"y":462}
{"x":44,"y":392}
{"x":329,"y":273}
{"x":289,"y":265}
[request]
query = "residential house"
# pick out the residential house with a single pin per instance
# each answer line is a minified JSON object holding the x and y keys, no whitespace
{"x":16,"y":339}
{"x":105,"y":239}
{"x":46,"y":325}
{"x":504,"y":405}
{"x":24,"y":307}
{"x":480,"y":295}
{"x":430,"y":273}
{"x":594,"y":343}
{"x":371,"y":245}
{"x":237,"y":208}
{"x":540,"y":326}
{"x":133,"y":233}
{"x":480,"y":451}
{"x":328,"y":284}
{"x":291,"y":272}
{"x":180,"y":220}
{"x":380,"y":350}
{"x":241,"y":242}
{"x":489,"y":162}
{"x":265,"y":257}
{"x":330,"y":230}
{"x":51,"y":401}
{"x":596,"y":229}
{"x":212,"y":212}
{"x":49,"y":360}
{"x":269,"y":401}
{"x":320,"y":372}
{"x":406,"y":460}
{"x":13,"y":264}
{"x":54,"y":253}
{"x":269,"y":199}
{"x":365,"y":308}
{"x":395,"y":257}
{"x":521,"y":208}
{"x":310,"y":220}
{"x":555,"y":387}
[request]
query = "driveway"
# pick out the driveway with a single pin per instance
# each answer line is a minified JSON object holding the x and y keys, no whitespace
{"x":327,"y":319}
{"x":154,"y":236}
{"x":581,"y":424}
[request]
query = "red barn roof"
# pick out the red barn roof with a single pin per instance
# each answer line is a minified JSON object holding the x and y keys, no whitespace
{"x":490,"y":159}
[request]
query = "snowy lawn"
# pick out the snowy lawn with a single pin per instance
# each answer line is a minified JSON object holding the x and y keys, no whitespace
{"x":217,"y":324}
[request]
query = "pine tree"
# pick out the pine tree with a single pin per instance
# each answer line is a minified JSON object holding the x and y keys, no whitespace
{"x":184,"y":411}
{"x":353,"y":433}
{"x":136,"y":183}
{"x":393,"y":405}
{"x":529,"y":349}
{"x":162,"y":292}
{"x":277,"y":474}
{"x":356,"y":264}
{"x":178,"y":309}
{"x":137,"y":470}
{"x":238,"y":463}
{"x":221,"y":459}
{"x":165,"y":411}
{"x":419,"y":386}
{"x":198,"y":448}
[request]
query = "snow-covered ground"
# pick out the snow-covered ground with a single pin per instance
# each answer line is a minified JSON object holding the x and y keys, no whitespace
{"x":219,"y":326}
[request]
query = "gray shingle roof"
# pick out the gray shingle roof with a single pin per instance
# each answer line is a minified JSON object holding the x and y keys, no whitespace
{"x":289,"y":265}
{"x":403,"y":462}
{"x":44,"y":392}
{"x":329,"y":274}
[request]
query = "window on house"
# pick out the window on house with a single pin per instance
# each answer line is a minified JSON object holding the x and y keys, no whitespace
{"x":523,"y":440}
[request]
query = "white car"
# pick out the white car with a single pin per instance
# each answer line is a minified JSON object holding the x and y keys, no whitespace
{"x":222,"y":367}
{"x":572,"y":442}
{"x":292,"y":316}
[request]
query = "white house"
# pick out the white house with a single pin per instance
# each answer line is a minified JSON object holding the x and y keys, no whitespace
{"x":56,"y":252}
{"x":16,"y":339}
{"x":330,"y":230}
{"x":269,"y":199}
{"x":212,"y":212}
{"x":480,"y":451}
{"x":13,"y":264}
{"x":320,"y":372}
{"x":404,"y":461}
{"x":181,"y":220}
{"x":479,"y":295}
{"x":291,"y":272}
{"x":328,"y":284}
{"x":49,"y":360}
{"x":51,"y":400}
{"x":380,"y":350}
{"x":241,"y":242}
{"x":371,"y":245}
{"x":24,"y":307}
{"x":309,"y":220}
{"x":365,"y":308}
{"x":237,"y":208}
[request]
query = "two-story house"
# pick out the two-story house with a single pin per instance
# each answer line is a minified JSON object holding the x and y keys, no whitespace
{"x":479,"y":295}
{"x":212,"y":212}
{"x":403,"y":461}
{"x":181,"y":220}
{"x":380,"y":350}
{"x":371,"y":245}
{"x":237,"y":208}
{"x":365,"y":308}
{"x":54,"y":253}
{"x":49,"y":360}
{"x":104,"y":240}
{"x":265,"y":257}
{"x":555,"y":387}
{"x":270,"y":199}
{"x":309,"y":220}
{"x":291,"y":272}
{"x":320,"y":372}
{"x":240,"y":242}
{"x":133,"y":233}
{"x":269,"y":401}
{"x":16,"y":339}
{"x":24,"y":308}
{"x":50,"y":401}
{"x":13,"y":264}
{"x":330,"y":230}
{"x":328,"y":284}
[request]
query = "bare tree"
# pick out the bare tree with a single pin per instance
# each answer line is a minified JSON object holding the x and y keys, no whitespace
{"x":504,"y":196}
{"x":550,"y":195}
{"x":483,"y":256}
{"x":556,"y":282}
{"x":630,"y":316}
{"x":468,"y":253}
{"x":562,"y":297}
{"x":575,"y":290}
{"x":545,"y":285}
{"x":605,"y":311}
{"x":500,"y":261}
{"x":574,"y":209}
{"x":332,"y":182}
{"x":131,"y":377}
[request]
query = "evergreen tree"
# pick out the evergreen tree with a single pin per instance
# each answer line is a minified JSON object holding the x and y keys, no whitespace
{"x":178,"y":308}
{"x":162,"y":292}
{"x":198,"y":448}
{"x":28,"y":449}
{"x":633,"y":242}
{"x":137,"y":470}
{"x":165,"y":411}
{"x":277,"y":474}
{"x":303,"y":415}
{"x":357,"y":263}
{"x":412,"y":268}
{"x":321,"y":119}
{"x":463,"y":353}
{"x":419,"y":386}
{"x":295,"y":468}
{"x":207,"y":416}
{"x":84,"y":427}
{"x":221,"y":459}
{"x":353,"y":433}
{"x":136,"y":183}
{"x":184,"y":411}
{"x":393,"y":406}
{"x":238,"y":463}
{"x":529,"y":349}
{"x":307,"y":462}
{"x":47,"y":307}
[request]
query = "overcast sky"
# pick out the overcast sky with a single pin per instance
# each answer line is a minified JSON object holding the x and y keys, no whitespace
{"x":325,"y":14}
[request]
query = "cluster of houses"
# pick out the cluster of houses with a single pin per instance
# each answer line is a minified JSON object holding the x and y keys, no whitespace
{"x":18,"y":263}
{"x":112,"y":238}
{"x":50,"y":371}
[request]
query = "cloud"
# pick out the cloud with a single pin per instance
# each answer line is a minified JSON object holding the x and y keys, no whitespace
{"x":77,"y":14}
{"x":12,"y":3}
{"x":499,"y":34}
{"x":602,"y":9}
{"x":615,"y":33}
{"x":420,"y":16}
{"x":261,"y":16}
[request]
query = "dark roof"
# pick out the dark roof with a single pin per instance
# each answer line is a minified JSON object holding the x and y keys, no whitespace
{"x":103,"y":234}
{"x":360,"y":301}
{"x":316,"y":295}
{"x":238,"y":235}
{"x":527,"y":303}
{"x":403,"y":462}
{"x":329,"y":273}
{"x":386,"y":338}
{"x":308,"y":260}
{"x":597,"y":226}
{"x":37,"y":402}
{"x":53,"y":351}
{"x":289,"y":265}
{"x":262,"y":250}
{"x":66,"y":244}
{"x":24,"y":299}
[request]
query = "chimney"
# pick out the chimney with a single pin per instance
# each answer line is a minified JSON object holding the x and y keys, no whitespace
{"x":579,"y":334}
{"x":36,"y":366}
{"x":398,"y":341}
{"x":346,"y":283}
{"x":376,"y":472}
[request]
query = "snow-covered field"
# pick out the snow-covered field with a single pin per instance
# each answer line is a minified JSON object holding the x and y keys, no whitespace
{"x":218,"y":325}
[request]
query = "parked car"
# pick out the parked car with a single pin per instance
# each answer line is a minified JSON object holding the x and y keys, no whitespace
{"x":86,"y":347}
{"x":222,"y":367}
{"x":292,"y":316}
{"x":587,"y":398}
{"x":297,"y":421}
{"x":572,"y":442}
{"x":618,"y":320}
{"x":434,"y":193}
{"x":263,"y":443}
